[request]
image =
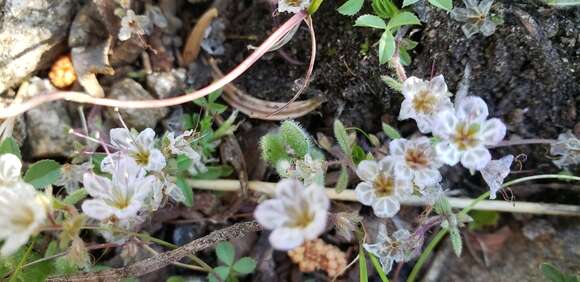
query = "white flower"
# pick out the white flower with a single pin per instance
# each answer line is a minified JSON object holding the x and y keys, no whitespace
{"x":141,"y":147}
{"x":424,"y":100}
{"x":381,"y":189}
{"x":466,"y":132}
{"x":475,"y":16}
{"x":310,"y":170}
{"x":21,"y":214}
{"x":122,"y":196}
{"x":568,"y":148}
{"x":297,"y":214}
{"x":134,"y":24}
{"x":495,"y":172}
{"x":10,"y":167}
{"x":180,"y":145}
{"x":71,"y":175}
{"x":416,"y":160}
{"x":292,"y":6}
{"x":389,"y":250}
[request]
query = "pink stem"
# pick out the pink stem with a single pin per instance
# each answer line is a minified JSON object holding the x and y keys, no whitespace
{"x":80,"y":97}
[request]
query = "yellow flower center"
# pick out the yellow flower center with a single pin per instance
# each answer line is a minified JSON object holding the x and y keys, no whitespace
{"x":23,"y":219}
{"x":383,"y":185}
{"x":416,"y":159}
{"x":425,"y":102}
{"x":465,"y":136}
{"x":141,"y":157}
{"x":293,"y":3}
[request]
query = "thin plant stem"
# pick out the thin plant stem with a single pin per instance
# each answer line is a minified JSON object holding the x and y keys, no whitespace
{"x":429,"y":249}
{"x":507,"y":143}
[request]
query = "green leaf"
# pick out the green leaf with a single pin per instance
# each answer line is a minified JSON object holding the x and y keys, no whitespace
{"x":386,"y":47}
{"x":225,"y":252}
{"x":186,"y":190}
{"x":75,"y":197}
{"x":296,"y":138}
{"x":456,"y":242}
{"x":551,"y":272}
{"x":446,"y":5}
{"x":342,"y":138}
{"x":350,"y":7}
{"x":391,"y":132}
{"x":358,"y":154}
{"x":213,"y":96}
{"x":245,"y":265}
{"x":392,"y":83}
{"x":314,"y":6}
{"x":273,"y":149}
{"x":384,"y":8}
{"x":222,"y":272}
{"x":404,"y":57}
{"x":342,"y":182}
{"x":378,"y":268}
{"x":409,"y":2}
{"x":362,"y":266}
{"x":215,"y":172}
{"x":9,"y":146}
{"x":42,"y":173}
{"x":404,"y":18}
{"x":370,"y":21}
{"x":482,"y":219}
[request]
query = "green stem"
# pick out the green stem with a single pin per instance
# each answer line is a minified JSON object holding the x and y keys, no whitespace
{"x":14,"y":275}
{"x":429,"y":249}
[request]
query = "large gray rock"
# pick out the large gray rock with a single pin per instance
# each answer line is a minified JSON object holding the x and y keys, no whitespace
{"x":31,"y":36}
{"x":129,"y":89}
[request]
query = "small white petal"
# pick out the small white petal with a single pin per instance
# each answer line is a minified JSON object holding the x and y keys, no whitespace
{"x":317,"y":226}
{"x":12,"y":244}
{"x":447,"y":153}
{"x":472,"y":109}
{"x":424,"y":124}
{"x":476,"y":159}
{"x":97,"y":186}
{"x":487,"y":28}
{"x":387,"y":165}
{"x":367,"y":170}
{"x":493,"y":131}
{"x":444,"y":124}
{"x":97,"y":209}
{"x":387,"y":263}
{"x":406,"y":110}
{"x":121,"y":137}
{"x":270,"y":214}
{"x":316,"y":197}
{"x":288,"y":190}
{"x":146,"y":138}
{"x":402,"y":171}
{"x":386,"y":207}
{"x":365,"y":193}
{"x":412,"y":85}
{"x":397,"y":147}
{"x":10,"y":167}
{"x":427,"y":177}
{"x":495,"y":172}
{"x":285,"y":238}
{"x":128,"y":212}
{"x":156,"y":161}
{"x":438,"y":85}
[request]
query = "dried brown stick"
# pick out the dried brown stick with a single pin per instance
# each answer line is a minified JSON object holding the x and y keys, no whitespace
{"x":162,"y":260}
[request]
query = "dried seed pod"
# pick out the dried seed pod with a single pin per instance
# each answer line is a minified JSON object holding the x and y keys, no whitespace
{"x":62,"y":73}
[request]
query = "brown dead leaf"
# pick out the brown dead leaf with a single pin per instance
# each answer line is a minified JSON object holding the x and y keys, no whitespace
{"x":193,"y":43}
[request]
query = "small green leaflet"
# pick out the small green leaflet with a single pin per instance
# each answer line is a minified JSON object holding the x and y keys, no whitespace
{"x":391,"y":132}
{"x":225,"y":252}
{"x":314,"y":6}
{"x":456,"y":242}
{"x":409,"y":2}
{"x":378,"y":267}
{"x":9,"y":146}
{"x":342,"y":138}
{"x":370,"y":21}
{"x":350,"y":7}
{"x":362,"y":266}
{"x":553,"y":274}
{"x":342,"y":182}
{"x":42,"y":173}
{"x":186,"y":190}
{"x":386,"y":47}
{"x":446,"y":5}
{"x":401,"y":19}
{"x":245,"y":265}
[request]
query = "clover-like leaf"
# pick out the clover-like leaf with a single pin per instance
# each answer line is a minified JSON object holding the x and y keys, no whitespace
{"x":245,"y":265}
{"x":225,"y":252}
{"x":42,"y":173}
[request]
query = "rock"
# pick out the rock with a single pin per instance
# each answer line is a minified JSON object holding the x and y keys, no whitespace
{"x":31,"y":33}
{"x":48,"y":125}
{"x":167,"y":84}
{"x":129,"y":89}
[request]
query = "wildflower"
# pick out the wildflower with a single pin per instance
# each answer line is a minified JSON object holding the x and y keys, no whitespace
{"x":389,"y":250}
{"x":495,"y":172}
{"x":71,"y":175}
{"x":475,"y":17}
{"x":381,"y":189}
{"x":141,"y":147}
{"x":310,"y":170}
{"x":292,"y":6}
{"x":181,"y":145}
{"x":466,"y":132}
{"x":10,"y":167}
{"x":423,"y":100}
{"x":120,"y":197}
{"x":297,"y":214}
{"x":416,"y":161}
{"x":568,"y":147}
{"x":21,"y":214}
{"x":134,"y":24}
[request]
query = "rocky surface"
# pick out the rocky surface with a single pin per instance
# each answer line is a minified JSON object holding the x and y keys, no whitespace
{"x":31,"y":36}
{"x":129,"y":89}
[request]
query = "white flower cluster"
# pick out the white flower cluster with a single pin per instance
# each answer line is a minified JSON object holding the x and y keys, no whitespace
{"x":138,"y":184}
{"x":462,"y":133}
{"x":22,"y":209}
{"x":398,"y":248}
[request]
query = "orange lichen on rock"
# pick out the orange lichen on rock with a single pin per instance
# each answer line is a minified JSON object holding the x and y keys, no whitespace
{"x":316,"y":254}
{"x":62,"y":73}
